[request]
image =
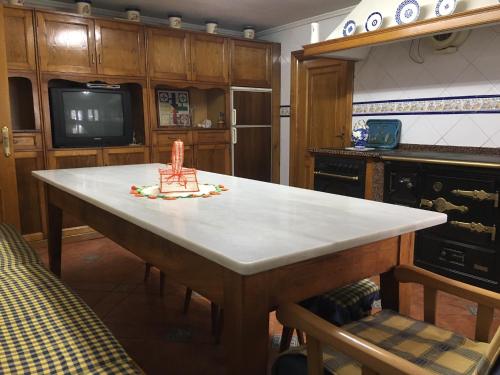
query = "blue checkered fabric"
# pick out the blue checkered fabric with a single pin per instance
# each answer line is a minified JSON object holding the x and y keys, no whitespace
{"x":44,"y":327}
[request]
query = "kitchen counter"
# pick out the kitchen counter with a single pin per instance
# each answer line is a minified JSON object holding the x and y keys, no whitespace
{"x":473,"y":157}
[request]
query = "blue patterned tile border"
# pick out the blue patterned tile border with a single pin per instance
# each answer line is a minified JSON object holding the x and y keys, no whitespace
{"x":429,"y":106}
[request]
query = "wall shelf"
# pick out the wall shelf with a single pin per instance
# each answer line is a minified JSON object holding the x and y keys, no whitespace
{"x":459,"y":21}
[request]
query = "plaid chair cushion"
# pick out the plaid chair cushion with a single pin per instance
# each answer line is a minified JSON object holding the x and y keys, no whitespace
{"x":46,"y":329}
{"x":435,"y":349}
{"x":346,"y":304}
{"x":14,"y":250}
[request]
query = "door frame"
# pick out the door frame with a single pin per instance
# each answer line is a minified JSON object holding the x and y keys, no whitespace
{"x":9,"y":203}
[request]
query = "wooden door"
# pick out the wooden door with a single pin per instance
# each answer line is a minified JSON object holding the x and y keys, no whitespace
{"x":251,"y":64}
{"x":213,"y":158}
{"x":209,"y":58}
{"x":20,"y":39}
{"x":169,"y":54}
{"x":120,"y":49}
{"x":31,"y":193}
{"x":9,"y":207}
{"x":66,"y":44}
{"x":125,"y":155}
{"x":321,"y":112}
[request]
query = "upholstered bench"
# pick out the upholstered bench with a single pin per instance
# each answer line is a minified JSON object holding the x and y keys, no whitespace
{"x":44,"y":327}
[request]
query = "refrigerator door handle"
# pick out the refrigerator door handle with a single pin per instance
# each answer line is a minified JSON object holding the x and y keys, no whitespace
{"x":233,"y":117}
{"x":234,"y":135}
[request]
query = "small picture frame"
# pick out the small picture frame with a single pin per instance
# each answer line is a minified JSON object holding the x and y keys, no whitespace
{"x":173,"y":108}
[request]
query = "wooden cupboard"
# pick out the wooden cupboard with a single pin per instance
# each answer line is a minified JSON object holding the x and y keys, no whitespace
{"x":66,"y":44}
{"x":70,"y":44}
{"x":21,"y":41}
{"x":209,"y":58}
{"x":251,"y":64}
{"x":169,"y":54}
{"x":213,"y":158}
{"x":47,"y":48}
{"x":120,"y":49}
{"x":31,"y":193}
{"x":125,"y":156}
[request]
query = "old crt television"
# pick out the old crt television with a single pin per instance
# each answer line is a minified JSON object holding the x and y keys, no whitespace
{"x":90,"y":117}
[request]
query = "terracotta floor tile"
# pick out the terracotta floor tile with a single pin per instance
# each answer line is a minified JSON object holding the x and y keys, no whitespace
{"x":153,"y":329}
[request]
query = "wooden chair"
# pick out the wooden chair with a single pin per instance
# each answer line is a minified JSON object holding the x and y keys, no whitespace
{"x":373,"y":359}
{"x":216,"y":311}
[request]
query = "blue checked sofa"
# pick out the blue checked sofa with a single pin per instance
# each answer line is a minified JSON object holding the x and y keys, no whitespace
{"x":44,"y":327}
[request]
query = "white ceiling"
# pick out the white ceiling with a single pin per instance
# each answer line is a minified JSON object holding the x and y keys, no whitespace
{"x":231,"y":14}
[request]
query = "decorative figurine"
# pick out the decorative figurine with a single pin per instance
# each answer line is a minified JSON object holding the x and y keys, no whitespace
{"x":175,"y":178}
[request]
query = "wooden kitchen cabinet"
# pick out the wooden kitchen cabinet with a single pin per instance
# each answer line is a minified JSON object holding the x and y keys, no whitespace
{"x":251,"y":64}
{"x":213,"y":158}
{"x":66,"y":44}
{"x":20,"y":43}
{"x":169,"y":54}
{"x":209,"y":58}
{"x":125,"y":155}
{"x":81,"y":158}
{"x":120,"y":48}
{"x":30,"y":193}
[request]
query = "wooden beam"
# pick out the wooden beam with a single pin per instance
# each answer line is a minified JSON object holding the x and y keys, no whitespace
{"x":464,"y":20}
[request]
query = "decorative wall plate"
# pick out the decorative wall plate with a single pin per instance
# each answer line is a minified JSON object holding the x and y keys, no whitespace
{"x":349,"y":28}
{"x":374,"y":21}
{"x":408,"y":11}
{"x":445,"y":7}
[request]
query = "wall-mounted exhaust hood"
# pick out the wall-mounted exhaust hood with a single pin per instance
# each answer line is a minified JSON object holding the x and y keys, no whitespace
{"x":468,"y":14}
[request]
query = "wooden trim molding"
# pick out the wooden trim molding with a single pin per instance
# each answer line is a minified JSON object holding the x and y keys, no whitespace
{"x":465,"y":20}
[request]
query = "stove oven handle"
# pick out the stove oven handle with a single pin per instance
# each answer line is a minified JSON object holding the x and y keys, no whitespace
{"x":476,"y":228}
{"x":338,"y":176}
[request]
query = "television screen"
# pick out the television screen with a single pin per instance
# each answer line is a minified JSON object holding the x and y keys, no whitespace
{"x":93,"y":114}
{"x":90,"y":117}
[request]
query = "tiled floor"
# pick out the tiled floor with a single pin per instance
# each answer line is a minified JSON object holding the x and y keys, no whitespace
{"x":153,"y":329}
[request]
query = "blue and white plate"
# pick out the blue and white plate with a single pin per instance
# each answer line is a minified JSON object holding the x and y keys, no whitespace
{"x":445,"y":7}
{"x":408,"y":12}
{"x":349,"y":28}
{"x":374,"y":21}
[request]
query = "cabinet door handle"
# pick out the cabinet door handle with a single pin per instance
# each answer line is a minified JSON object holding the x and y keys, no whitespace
{"x":235,"y":135}
{"x":233,"y":117}
{"x":338,"y":176}
{"x":6,"y":142}
{"x":99,"y":58}
{"x":478,"y":195}
{"x":93,"y":58}
{"x":476,"y":228}
{"x":442,"y":205}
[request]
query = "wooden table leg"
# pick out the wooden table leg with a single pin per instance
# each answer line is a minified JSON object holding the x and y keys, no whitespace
{"x":54,"y":238}
{"x":397,"y":296}
{"x":246,"y":324}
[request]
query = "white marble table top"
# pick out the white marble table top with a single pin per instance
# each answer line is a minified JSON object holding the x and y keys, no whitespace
{"x":251,"y":228}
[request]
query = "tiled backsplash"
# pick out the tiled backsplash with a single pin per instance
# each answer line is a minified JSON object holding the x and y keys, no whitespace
{"x":388,"y":74}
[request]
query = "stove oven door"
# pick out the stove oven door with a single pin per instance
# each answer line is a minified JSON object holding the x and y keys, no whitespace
{"x":471,"y":203}
{"x":402,"y":183}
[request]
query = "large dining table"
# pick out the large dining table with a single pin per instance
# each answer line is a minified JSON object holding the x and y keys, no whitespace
{"x":250,"y":249}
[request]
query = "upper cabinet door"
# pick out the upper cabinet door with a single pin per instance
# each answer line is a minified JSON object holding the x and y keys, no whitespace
{"x":251,"y":64}
{"x":169,"y":54}
{"x":20,"y":40}
{"x":210,"y":58}
{"x":65,"y":43}
{"x":120,"y":49}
